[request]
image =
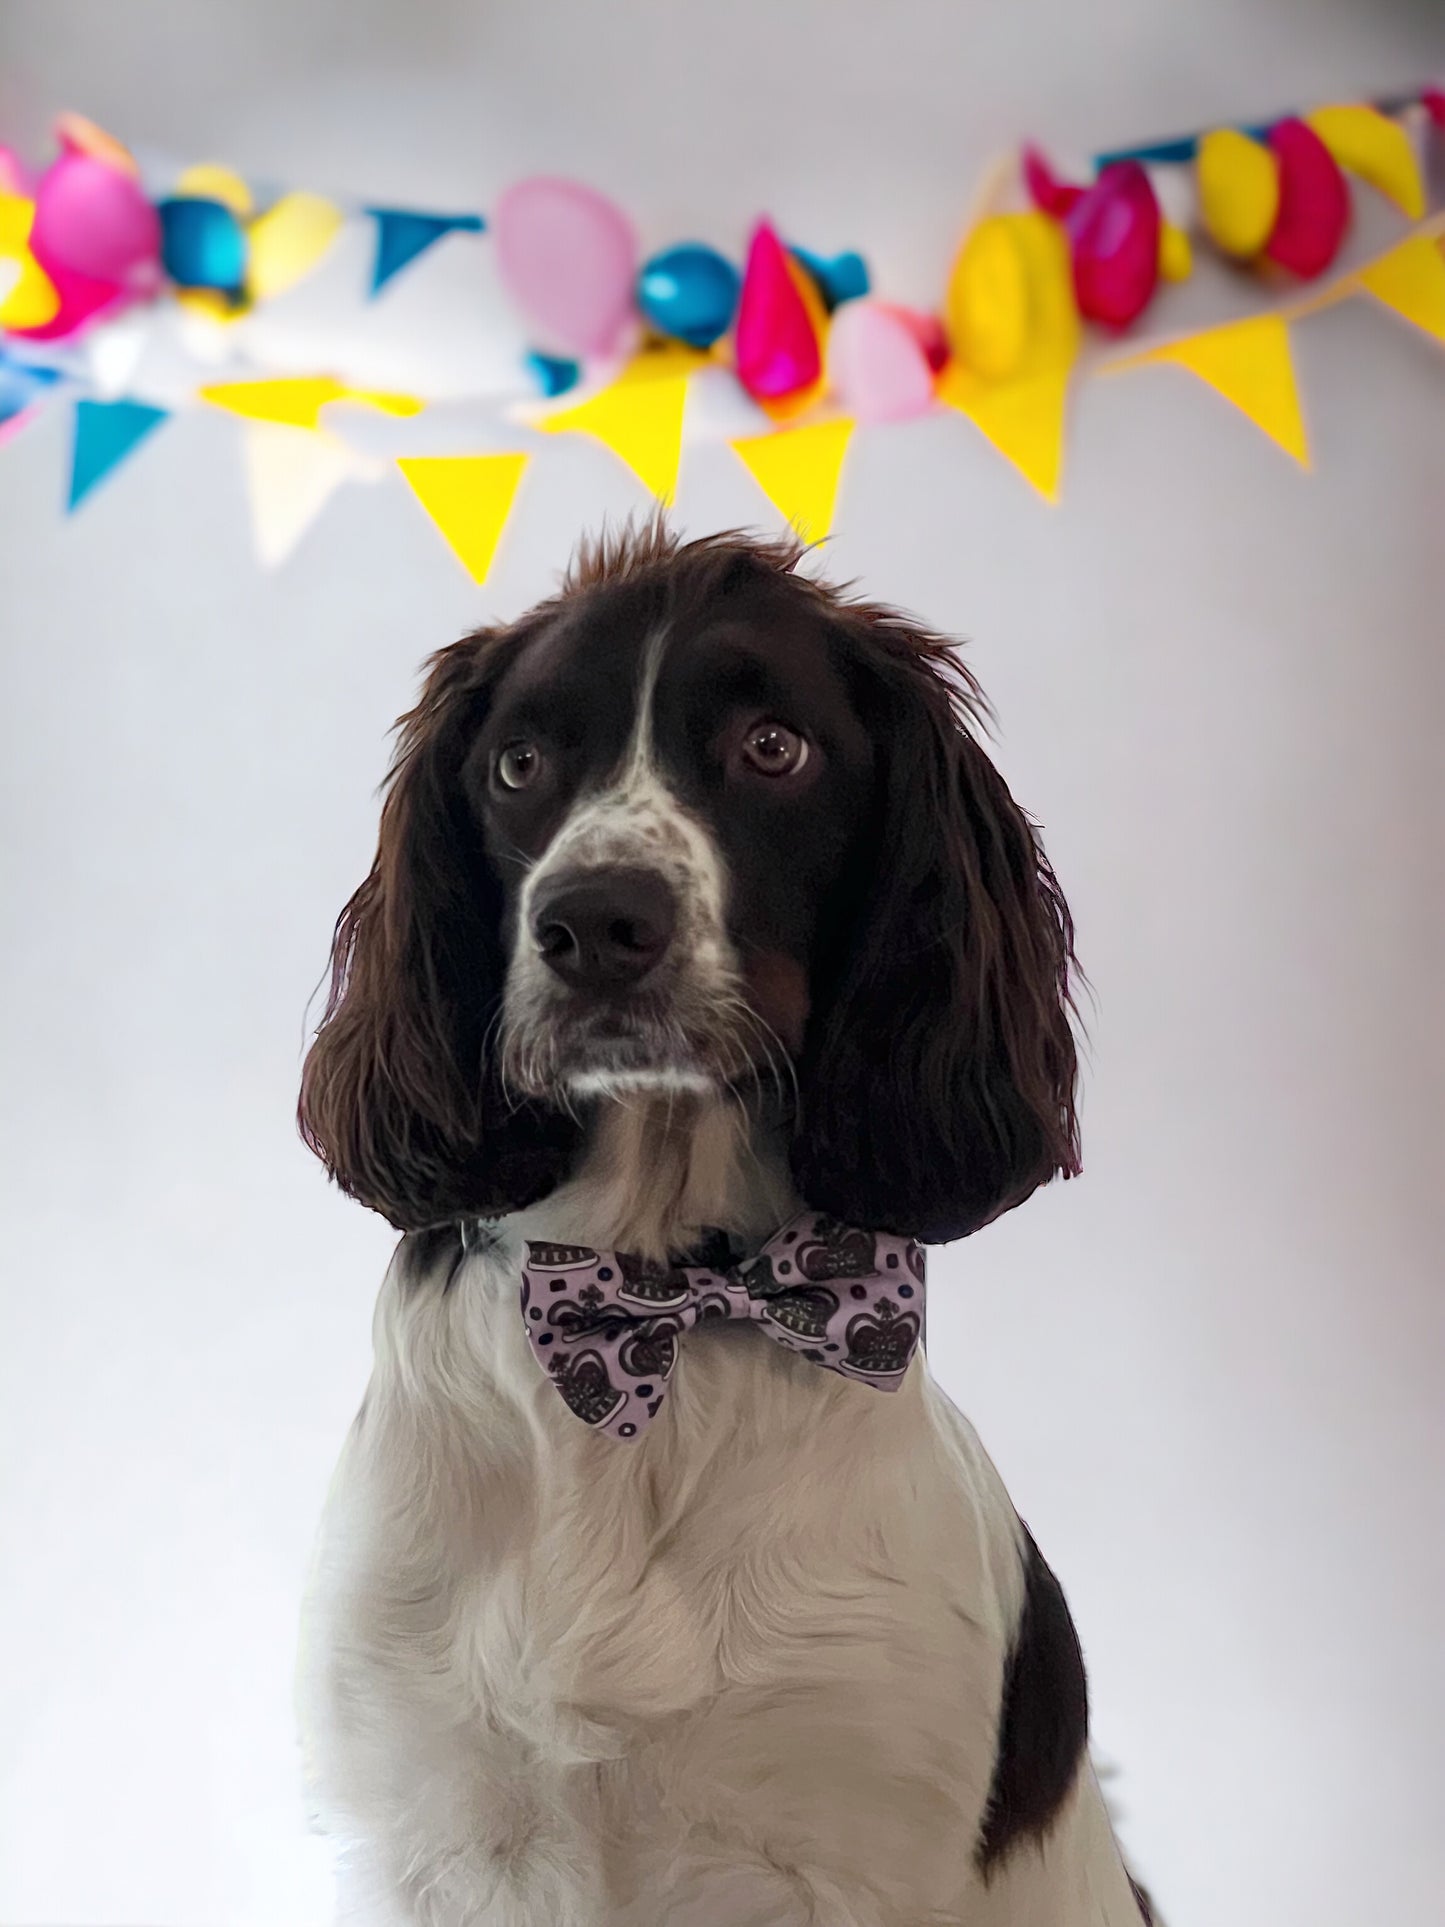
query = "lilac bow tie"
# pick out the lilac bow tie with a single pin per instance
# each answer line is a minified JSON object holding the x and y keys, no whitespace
{"x":605,"y":1325}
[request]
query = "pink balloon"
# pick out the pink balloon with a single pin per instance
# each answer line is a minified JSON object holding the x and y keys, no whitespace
{"x":568,"y":258}
{"x":96,"y":221}
{"x":877,"y":363}
{"x":777,"y":346}
{"x":927,"y":331}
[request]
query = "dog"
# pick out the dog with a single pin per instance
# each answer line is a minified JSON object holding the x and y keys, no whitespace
{"x":697,"y":906}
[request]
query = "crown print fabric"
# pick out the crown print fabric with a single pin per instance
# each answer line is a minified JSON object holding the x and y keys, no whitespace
{"x":605,"y":1325}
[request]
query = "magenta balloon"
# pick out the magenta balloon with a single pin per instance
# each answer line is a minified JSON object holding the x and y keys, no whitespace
{"x":1114,"y":233}
{"x":568,"y":258}
{"x":97,"y":222}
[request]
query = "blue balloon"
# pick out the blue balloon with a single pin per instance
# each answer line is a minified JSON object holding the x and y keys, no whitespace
{"x":689,"y":292}
{"x":840,"y":277}
{"x":203,"y":245}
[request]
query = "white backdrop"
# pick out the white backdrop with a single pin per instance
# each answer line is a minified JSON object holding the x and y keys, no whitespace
{"x":1210,"y":1371}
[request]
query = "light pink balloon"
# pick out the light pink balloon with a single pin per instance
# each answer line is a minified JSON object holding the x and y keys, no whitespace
{"x":14,"y":178}
{"x":568,"y":258}
{"x":97,"y":222}
{"x":878,"y":364}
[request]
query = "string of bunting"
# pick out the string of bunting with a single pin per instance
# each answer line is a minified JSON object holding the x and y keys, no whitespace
{"x":129,"y":293}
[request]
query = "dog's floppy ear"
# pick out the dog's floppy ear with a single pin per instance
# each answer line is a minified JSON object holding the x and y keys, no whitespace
{"x":400,"y":1096}
{"x":937,"y":1080}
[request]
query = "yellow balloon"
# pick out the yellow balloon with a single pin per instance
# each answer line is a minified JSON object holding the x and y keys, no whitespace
{"x":209,"y":181}
{"x":987,"y":310}
{"x":286,"y":242}
{"x":1377,"y":149}
{"x":1176,"y":257}
{"x":1238,"y":191}
{"x":28,"y":298}
{"x":1010,"y":307}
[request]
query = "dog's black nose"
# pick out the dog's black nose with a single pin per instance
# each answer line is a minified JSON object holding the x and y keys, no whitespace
{"x":603,"y":929}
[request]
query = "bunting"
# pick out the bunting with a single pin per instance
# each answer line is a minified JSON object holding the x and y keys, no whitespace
{"x":1410,"y":279}
{"x":468,"y":498}
{"x":1250,"y":364}
{"x":639,"y":417}
{"x":291,"y":475}
{"x":402,"y":234}
{"x":125,"y":297}
{"x":106,"y":432}
{"x":799,"y":469}
{"x":298,"y":403}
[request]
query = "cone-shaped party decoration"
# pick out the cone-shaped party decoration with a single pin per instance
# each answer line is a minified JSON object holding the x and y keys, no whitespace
{"x":469,"y":498}
{"x":778,"y":348}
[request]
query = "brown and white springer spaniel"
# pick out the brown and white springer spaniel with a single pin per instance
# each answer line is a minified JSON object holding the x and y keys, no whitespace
{"x":696,"y":903}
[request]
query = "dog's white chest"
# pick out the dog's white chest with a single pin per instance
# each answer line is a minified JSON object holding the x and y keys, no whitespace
{"x":722,"y":1662}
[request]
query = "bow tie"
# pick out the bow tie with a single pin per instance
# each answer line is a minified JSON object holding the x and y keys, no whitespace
{"x":604,"y":1325}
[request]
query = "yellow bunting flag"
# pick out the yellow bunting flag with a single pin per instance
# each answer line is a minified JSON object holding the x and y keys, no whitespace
{"x":297,"y":402}
{"x":291,"y":474}
{"x":286,"y":242}
{"x":798,"y":470}
{"x":1249,"y":363}
{"x":1411,"y":280}
{"x":1023,"y":418}
{"x":639,"y":417}
{"x":469,"y":498}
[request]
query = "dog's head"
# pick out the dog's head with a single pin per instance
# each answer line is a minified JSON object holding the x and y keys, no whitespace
{"x":697,"y":823}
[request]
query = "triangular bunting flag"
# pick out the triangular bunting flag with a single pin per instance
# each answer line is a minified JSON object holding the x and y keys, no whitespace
{"x":22,"y":388}
{"x":1411,"y":280}
{"x":1249,"y":363}
{"x":798,"y":470}
{"x":402,"y":235}
{"x":639,"y":417}
{"x":291,"y":474}
{"x":105,"y":433}
{"x":1024,"y":419}
{"x":469,"y":498}
{"x":297,"y":402}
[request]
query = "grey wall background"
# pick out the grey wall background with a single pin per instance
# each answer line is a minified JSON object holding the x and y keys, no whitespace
{"x":1210,"y":1371}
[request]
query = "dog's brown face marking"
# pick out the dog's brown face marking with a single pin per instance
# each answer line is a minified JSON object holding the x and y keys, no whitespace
{"x":712,"y":746}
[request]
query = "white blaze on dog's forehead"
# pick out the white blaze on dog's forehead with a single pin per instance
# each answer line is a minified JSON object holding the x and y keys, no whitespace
{"x":638,"y":757}
{"x":636,"y":819}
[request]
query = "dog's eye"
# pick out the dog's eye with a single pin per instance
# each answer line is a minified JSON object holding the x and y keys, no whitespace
{"x":774,"y":750}
{"x":519,"y":765}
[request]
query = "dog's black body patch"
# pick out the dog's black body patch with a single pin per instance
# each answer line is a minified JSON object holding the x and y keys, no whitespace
{"x":1043,"y":1719}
